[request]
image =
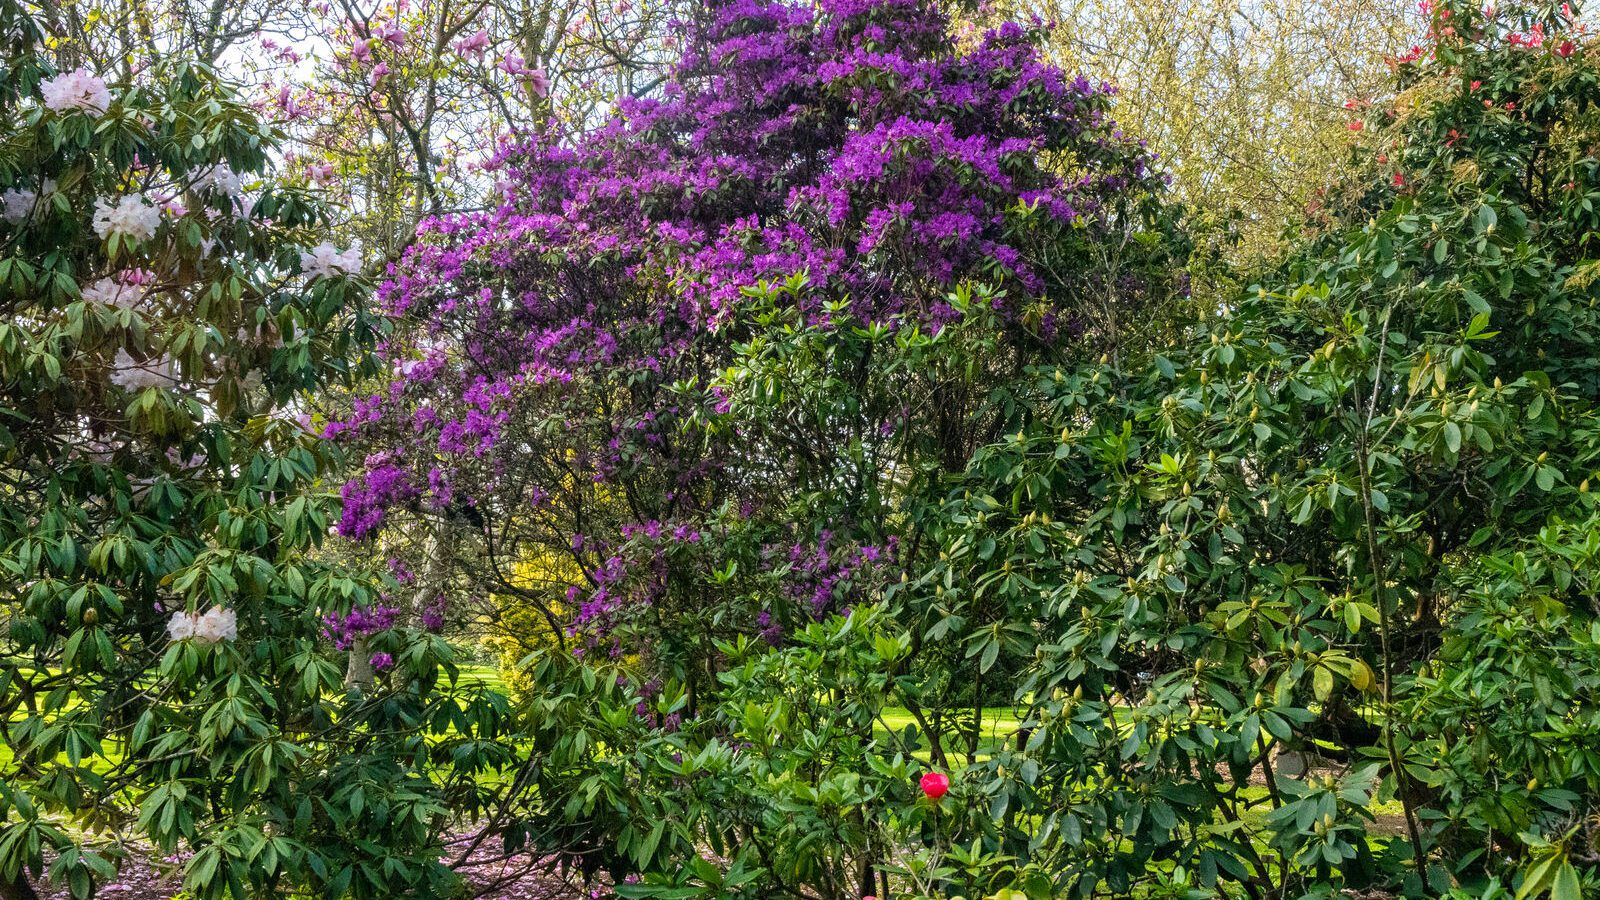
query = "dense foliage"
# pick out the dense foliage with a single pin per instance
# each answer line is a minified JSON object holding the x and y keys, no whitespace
{"x":163,"y":669}
{"x":1348,"y":518}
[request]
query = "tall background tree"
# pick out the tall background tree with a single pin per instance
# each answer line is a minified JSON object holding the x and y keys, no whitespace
{"x":1245,"y":103}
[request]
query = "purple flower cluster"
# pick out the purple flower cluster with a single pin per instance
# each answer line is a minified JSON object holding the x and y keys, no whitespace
{"x":369,"y":498}
{"x":358,"y":623}
{"x":824,"y":577}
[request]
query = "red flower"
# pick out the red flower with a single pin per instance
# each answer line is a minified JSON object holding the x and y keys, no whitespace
{"x":1355,"y":126}
{"x":1564,"y":49}
{"x":1399,"y":180}
{"x":935,"y":785}
{"x":1476,"y":85}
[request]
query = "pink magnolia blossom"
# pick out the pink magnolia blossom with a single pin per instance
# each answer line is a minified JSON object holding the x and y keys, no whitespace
{"x":539,"y":83}
{"x":474,"y":45}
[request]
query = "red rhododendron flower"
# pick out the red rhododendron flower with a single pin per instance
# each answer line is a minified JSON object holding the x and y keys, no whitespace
{"x":935,"y":785}
{"x":1564,"y":49}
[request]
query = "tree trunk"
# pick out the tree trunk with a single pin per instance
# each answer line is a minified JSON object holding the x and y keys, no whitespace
{"x":358,"y":672}
{"x":17,"y":888}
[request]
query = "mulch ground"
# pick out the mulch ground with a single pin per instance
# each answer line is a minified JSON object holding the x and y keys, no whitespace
{"x":496,"y":878}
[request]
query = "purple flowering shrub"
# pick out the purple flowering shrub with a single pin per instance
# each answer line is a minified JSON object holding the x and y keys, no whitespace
{"x":616,"y":365}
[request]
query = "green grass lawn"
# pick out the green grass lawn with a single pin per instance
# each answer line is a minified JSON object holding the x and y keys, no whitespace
{"x":999,"y":727}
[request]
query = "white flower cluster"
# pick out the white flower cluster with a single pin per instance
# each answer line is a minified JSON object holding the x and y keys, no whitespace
{"x":221,"y":179}
{"x":112,"y":292}
{"x":78,"y":89}
{"x":16,"y":203}
{"x":214,"y":625}
{"x":323,"y":261}
{"x":133,"y":375}
{"x":131,"y":215}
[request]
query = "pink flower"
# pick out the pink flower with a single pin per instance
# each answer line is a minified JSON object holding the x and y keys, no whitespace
{"x":395,"y":36}
{"x":379,"y":72}
{"x":1565,"y":49}
{"x":935,"y":785}
{"x":539,"y":83}
{"x":1476,"y":85}
{"x":473,"y":45}
{"x":1356,"y":125}
{"x":361,"y":51}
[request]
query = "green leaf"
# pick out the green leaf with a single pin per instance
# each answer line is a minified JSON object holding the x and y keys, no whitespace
{"x":1566,"y":885}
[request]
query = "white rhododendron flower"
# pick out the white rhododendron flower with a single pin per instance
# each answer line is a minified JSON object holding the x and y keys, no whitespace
{"x":323,"y":261}
{"x":112,"y":292}
{"x":132,"y":215}
{"x":131,"y":374}
{"x":217,"y":624}
{"x":16,"y":203}
{"x":221,"y":179}
{"x":181,"y":626}
{"x":79,"y":89}
{"x":213,"y":626}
